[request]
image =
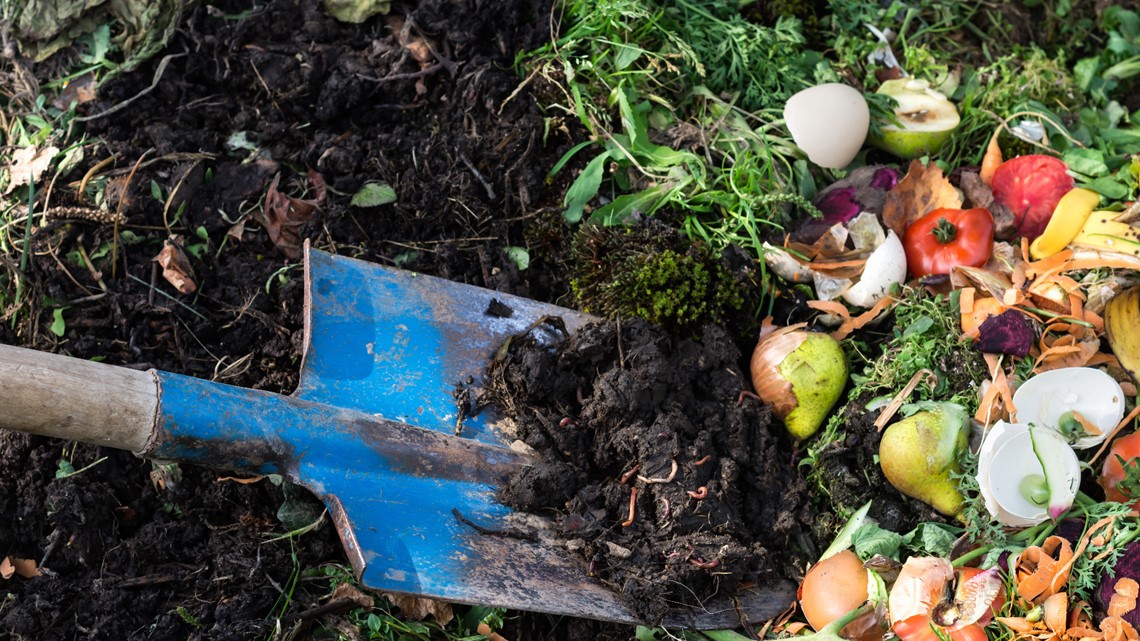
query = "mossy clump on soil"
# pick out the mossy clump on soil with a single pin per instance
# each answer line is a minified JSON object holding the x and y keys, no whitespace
{"x":621,"y":410}
{"x":653,"y":272}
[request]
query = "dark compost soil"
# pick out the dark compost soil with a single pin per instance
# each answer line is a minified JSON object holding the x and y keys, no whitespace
{"x":671,"y":485}
{"x":128,"y":549}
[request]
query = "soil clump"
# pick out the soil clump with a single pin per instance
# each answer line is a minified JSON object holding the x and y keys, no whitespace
{"x":671,"y":485}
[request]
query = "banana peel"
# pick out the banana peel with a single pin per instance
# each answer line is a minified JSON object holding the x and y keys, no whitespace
{"x":1121,"y":320}
{"x":1075,"y":225}
{"x":1104,"y":230}
{"x":1068,"y":222}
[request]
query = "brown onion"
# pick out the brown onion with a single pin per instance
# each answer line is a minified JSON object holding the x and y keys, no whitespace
{"x":800,"y":374}
{"x":774,"y":346}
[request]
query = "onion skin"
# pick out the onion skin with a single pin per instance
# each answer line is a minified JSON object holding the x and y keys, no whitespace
{"x":800,"y":374}
{"x":771,"y":386}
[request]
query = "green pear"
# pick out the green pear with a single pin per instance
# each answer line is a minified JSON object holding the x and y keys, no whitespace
{"x":926,"y":116}
{"x":919,"y":453}
{"x":817,"y":370}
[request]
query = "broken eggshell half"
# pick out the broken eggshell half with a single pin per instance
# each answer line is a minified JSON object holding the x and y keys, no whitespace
{"x":1017,"y":459}
{"x":1045,"y":398}
{"x":829,"y":122}
{"x":885,"y":268}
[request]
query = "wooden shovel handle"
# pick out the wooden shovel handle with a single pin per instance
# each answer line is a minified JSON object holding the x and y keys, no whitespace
{"x":75,"y":399}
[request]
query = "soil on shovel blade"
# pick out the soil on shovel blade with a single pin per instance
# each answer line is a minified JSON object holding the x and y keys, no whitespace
{"x":672,"y":485}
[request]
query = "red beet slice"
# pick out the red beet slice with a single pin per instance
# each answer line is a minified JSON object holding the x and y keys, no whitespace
{"x":1031,"y":186}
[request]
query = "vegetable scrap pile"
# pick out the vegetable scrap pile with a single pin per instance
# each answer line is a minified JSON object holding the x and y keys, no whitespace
{"x":669,"y":484}
{"x":1034,"y":467}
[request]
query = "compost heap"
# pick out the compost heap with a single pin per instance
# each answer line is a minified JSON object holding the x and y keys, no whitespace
{"x":623,"y":412}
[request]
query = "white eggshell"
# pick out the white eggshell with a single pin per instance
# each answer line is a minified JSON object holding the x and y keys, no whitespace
{"x":1042,"y":399}
{"x":1007,"y":457}
{"x":885,"y":267}
{"x":829,"y":122}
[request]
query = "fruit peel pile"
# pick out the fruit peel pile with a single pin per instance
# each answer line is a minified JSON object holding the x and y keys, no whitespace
{"x":1043,"y":273}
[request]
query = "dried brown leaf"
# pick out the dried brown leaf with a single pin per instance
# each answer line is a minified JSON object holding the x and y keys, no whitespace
{"x":176,"y":267}
{"x":352,"y":593}
{"x":283,"y":216}
{"x":419,"y":608}
{"x":28,"y":164}
{"x":414,"y":43}
{"x":236,"y":230}
{"x":79,"y":91}
{"x":979,"y":194}
{"x":920,"y":192}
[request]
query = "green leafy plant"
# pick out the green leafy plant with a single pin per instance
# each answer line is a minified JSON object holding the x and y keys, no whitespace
{"x":646,"y":80}
{"x":667,"y":170}
{"x":918,"y":342}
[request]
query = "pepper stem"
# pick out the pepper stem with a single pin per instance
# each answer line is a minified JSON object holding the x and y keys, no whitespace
{"x":945,"y":231}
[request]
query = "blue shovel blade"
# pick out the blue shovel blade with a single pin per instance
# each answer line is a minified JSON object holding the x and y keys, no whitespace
{"x":371,"y":430}
{"x":397,"y":344}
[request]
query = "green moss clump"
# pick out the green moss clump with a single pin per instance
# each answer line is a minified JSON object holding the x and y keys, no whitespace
{"x":653,"y":272}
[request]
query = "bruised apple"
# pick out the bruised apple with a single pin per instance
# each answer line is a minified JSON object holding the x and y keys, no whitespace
{"x":1031,"y":187}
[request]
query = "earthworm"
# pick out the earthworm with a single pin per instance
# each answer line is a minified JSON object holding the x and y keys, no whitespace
{"x":580,"y":395}
{"x":746,"y":394}
{"x":704,"y":565}
{"x":703,"y":460}
{"x":702,"y":492}
{"x":632,"y":507}
{"x":668,"y":479}
{"x":628,"y":475}
{"x":665,"y":515}
{"x":566,"y":422}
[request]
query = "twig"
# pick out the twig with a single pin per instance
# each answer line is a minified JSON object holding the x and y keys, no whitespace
{"x":162,"y":64}
{"x":518,"y":90}
{"x":411,"y":75}
{"x":146,"y":581}
{"x":336,"y":606}
{"x":478,"y":176}
{"x":889,"y":411}
{"x":99,"y":166}
{"x":188,"y":308}
{"x":119,"y":214}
